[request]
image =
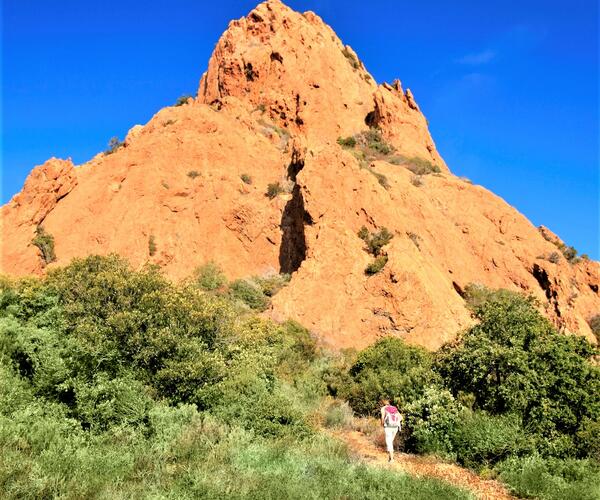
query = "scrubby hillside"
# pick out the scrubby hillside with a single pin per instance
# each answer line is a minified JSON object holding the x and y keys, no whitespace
{"x":116,"y":383}
{"x":289,"y":149}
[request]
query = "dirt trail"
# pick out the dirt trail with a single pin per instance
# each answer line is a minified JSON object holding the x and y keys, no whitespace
{"x":423,"y":466}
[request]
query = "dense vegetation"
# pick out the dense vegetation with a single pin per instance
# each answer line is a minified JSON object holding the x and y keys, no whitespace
{"x":511,"y":397}
{"x":117,"y":383}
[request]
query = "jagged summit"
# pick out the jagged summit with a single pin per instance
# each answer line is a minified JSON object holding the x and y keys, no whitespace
{"x":295,"y":67}
{"x":279,"y":93}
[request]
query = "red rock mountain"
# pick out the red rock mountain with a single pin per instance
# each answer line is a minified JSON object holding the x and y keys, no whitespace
{"x":280,"y":89}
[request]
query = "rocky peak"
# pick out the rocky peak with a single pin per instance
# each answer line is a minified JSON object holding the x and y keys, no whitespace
{"x":250,"y":175}
{"x":293,"y":70}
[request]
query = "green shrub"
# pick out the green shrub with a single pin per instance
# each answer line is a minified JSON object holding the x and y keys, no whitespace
{"x":246,"y":179}
{"x":554,"y":257}
{"x":110,"y":402}
{"x":113,"y":144}
{"x":339,"y":415}
{"x":375,"y":142}
{"x":381,"y":179}
{"x":183,"y":99}
{"x":420,"y":166}
{"x":271,"y":284}
{"x":117,"y":383}
{"x":594,"y":323}
{"x":432,"y":421}
{"x":388,"y":369}
{"x":377,"y":265}
{"x":514,"y":362}
{"x":550,"y":478}
{"x":354,"y":62}
{"x":209,"y":277}
{"x":375,"y":241}
{"x":152,"y":245}
{"x":249,"y":293}
{"x":347,"y":142}
{"x":481,"y":440}
{"x":192,"y":174}
{"x":274,"y":189}
{"x":45,"y":242}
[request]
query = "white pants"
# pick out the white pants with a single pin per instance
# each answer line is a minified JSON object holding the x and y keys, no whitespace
{"x":390,"y":434}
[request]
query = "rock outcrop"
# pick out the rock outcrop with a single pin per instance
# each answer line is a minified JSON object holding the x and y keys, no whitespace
{"x":279,"y":91}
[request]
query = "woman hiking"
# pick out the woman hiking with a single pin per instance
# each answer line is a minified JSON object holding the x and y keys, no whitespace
{"x":391,"y":420}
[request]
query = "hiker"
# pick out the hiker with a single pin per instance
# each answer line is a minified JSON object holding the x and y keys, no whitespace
{"x":391,"y":420}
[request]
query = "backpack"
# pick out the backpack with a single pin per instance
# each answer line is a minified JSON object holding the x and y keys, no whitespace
{"x":391,"y":416}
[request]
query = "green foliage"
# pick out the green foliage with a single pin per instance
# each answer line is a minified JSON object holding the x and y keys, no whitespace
{"x":249,"y":293}
{"x":271,"y":284}
{"x":246,"y":179}
{"x":45,"y":242}
{"x":377,"y":265}
{"x":432,"y":420}
{"x":515,"y":362}
{"x":152,"y":245}
{"x":550,"y":478}
{"x":274,"y":189}
{"x":354,"y":62}
{"x":375,"y":142}
{"x":183,"y":99}
{"x":388,"y":369}
{"x":209,"y":277}
{"x":421,"y":166}
{"x":192,"y":174}
{"x":480,"y":439}
{"x":113,"y":144}
{"x":375,"y":241}
{"x":594,"y":323}
{"x":347,"y":142}
{"x":116,"y":383}
{"x":554,"y":257}
{"x":339,"y":415}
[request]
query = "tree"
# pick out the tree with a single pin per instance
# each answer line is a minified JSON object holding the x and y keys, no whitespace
{"x":514,"y":361}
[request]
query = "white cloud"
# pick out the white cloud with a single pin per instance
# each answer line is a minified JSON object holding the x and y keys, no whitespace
{"x":478,"y":58}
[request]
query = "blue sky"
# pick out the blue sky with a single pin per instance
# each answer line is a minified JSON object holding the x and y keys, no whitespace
{"x":511,"y":93}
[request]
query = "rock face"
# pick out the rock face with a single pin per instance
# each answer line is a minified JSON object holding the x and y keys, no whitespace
{"x":279,"y":91}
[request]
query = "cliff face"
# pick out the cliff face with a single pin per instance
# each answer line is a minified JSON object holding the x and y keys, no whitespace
{"x":279,"y":91}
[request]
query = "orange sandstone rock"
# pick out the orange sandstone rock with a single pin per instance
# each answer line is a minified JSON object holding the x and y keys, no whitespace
{"x":279,"y":90}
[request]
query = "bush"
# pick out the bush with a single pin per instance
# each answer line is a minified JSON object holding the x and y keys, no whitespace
{"x":482,"y":440}
{"x":348,"y":142}
{"x":249,"y":293}
{"x":377,"y":265}
{"x":432,"y":421}
{"x":192,"y":174}
{"x":209,"y":277}
{"x":554,"y":257}
{"x":375,"y":241}
{"x":389,"y":369}
{"x":151,"y":245}
{"x":181,"y":100}
{"x":271,"y":284}
{"x":274,"y":190}
{"x":354,"y":62}
{"x":420,"y":166}
{"x":246,"y":179}
{"x":339,"y":415}
{"x":120,"y":384}
{"x":515,"y":362}
{"x":113,"y":144}
{"x":594,"y":323}
{"x":551,"y":479}
{"x":45,"y":242}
